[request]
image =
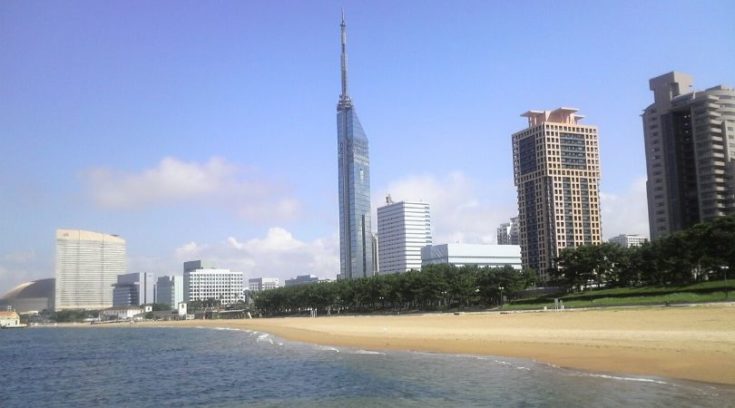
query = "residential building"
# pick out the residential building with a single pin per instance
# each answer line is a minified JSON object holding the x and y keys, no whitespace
{"x":203,"y":282}
{"x":301,"y":280}
{"x":628,"y":240}
{"x":355,"y":233}
{"x":690,"y":153}
{"x":403,"y":229}
{"x":34,"y":296}
{"x":556,"y":169}
{"x":87,"y":265}
{"x":133,"y":289}
{"x":258,"y":284}
{"x":472,"y":254}
{"x":170,"y":290}
{"x":507,"y":233}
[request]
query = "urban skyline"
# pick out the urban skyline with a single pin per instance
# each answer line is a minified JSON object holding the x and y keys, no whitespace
{"x":408,"y":102}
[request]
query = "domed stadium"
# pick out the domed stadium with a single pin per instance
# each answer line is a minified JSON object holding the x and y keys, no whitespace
{"x":33,"y":296}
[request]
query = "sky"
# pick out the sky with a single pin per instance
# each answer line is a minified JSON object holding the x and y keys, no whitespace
{"x":207,"y":130}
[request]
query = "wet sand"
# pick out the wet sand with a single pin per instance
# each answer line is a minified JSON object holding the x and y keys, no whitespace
{"x":693,"y":343}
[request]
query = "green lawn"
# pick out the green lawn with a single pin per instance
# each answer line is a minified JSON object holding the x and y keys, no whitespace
{"x":696,"y":293}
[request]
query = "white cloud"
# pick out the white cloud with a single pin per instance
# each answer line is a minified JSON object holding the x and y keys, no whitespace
{"x":462,"y":209}
{"x":278,"y":254}
{"x":625,"y":213}
{"x":173,"y":181}
{"x":22,"y":266}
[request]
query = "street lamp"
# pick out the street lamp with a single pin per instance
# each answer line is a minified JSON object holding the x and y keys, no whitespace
{"x":501,"y":295}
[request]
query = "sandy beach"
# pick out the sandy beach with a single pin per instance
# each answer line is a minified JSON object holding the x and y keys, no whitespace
{"x":693,"y":343}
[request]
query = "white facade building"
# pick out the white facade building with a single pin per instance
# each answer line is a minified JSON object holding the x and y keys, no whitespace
{"x":258,"y":284}
{"x":87,"y":265}
{"x":472,"y":254}
{"x":170,"y":290}
{"x":627,"y":240}
{"x":403,"y":229}
{"x":218,"y":284}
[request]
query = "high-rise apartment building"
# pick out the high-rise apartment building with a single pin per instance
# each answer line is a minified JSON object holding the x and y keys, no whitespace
{"x":170,"y":290}
{"x":87,"y":265}
{"x":355,"y":234}
{"x":403,"y":229}
{"x":507,"y":233}
{"x":556,"y":169}
{"x":133,"y":289}
{"x":690,"y":153}
{"x":202,"y":281}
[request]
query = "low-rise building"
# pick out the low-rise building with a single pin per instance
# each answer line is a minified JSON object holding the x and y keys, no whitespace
{"x":472,"y":254}
{"x":258,"y":284}
{"x":121,"y":313}
{"x":302,"y":280}
{"x":9,"y":318}
{"x":628,"y":240}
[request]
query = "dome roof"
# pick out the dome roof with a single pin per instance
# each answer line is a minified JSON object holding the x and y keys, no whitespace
{"x":42,"y":288}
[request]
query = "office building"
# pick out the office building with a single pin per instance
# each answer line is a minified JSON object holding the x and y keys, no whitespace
{"x":690,"y":153}
{"x":87,"y":265}
{"x":355,"y":234}
{"x":258,"y":284}
{"x":403,"y":229}
{"x":472,"y":254}
{"x":205,"y":282}
{"x":133,"y":289}
{"x":556,"y":169}
{"x":301,"y":280}
{"x":628,"y":240}
{"x":170,"y":290}
{"x":507,"y":233}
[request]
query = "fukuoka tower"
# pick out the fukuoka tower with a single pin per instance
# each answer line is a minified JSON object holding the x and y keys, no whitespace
{"x":355,"y":233}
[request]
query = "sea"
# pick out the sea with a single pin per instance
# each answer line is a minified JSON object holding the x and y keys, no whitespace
{"x":209,"y":367}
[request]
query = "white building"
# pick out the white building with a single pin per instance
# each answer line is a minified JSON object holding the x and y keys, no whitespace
{"x":472,"y":254}
{"x":133,"y":289}
{"x":258,"y":284}
{"x":122,"y":312}
{"x":87,"y":265}
{"x":403,"y":229}
{"x":170,"y":290}
{"x":628,"y":240}
{"x":211,"y":283}
{"x":9,"y":318}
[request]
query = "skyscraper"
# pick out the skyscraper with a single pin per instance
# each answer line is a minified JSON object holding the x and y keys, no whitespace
{"x":690,"y":153}
{"x":556,"y":169}
{"x":170,"y":290}
{"x":403,"y":229}
{"x":87,"y":265}
{"x":355,"y":234}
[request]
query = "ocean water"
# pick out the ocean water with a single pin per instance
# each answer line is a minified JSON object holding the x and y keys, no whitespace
{"x":149,"y":367}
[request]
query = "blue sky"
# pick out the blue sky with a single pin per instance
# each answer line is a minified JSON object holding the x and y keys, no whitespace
{"x":207,"y":129}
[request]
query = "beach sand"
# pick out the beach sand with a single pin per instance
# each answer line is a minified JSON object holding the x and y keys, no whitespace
{"x":693,"y":342}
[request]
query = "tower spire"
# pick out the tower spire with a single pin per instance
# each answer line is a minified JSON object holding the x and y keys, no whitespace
{"x":344,"y":97}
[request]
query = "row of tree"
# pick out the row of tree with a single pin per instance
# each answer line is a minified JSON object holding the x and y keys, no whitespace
{"x":434,"y":287}
{"x":703,"y":252}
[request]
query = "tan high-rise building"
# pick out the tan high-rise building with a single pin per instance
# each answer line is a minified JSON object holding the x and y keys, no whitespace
{"x":87,"y":265}
{"x":690,"y":153}
{"x":556,"y":169}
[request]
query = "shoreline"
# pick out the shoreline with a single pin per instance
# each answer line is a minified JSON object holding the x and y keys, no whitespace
{"x":694,"y":343}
